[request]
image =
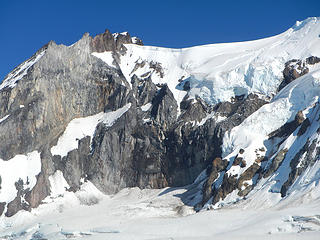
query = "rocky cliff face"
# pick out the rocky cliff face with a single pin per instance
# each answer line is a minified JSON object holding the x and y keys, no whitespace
{"x":89,"y":112}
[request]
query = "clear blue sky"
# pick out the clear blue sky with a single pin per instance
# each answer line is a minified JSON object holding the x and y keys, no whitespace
{"x":26,"y":25}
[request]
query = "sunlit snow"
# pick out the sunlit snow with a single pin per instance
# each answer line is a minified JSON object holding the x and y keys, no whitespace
{"x":79,"y":128}
{"x":218,"y":72}
{"x":24,"y":167}
{"x":13,"y":77}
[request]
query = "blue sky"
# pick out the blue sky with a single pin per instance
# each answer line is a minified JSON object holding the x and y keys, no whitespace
{"x":27,"y":25}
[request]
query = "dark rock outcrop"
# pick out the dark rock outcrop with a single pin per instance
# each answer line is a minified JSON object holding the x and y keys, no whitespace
{"x":296,"y":68}
{"x":305,"y":157}
{"x":217,"y":166}
{"x":289,"y":127}
{"x":18,"y":204}
{"x":111,"y":42}
{"x":276,"y":162}
{"x":235,"y":112}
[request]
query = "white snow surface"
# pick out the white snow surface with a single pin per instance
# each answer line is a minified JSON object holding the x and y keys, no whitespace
{"x":116,"y":35}
{"x":252,"y":136}
{"x":299,"y":95}
{"x":134,"y":40}
{"x":155,"y":214}
{"x":79,"y":128}
{"x":58,"y":184}
{"x":106,"y":57}
{"x":17,"y":74}
{"x":4,"y":118}
{"x":133,"y":213}
{"x":146,"y":107}
{"x":218,"y":72}
{"x":24,"y":167}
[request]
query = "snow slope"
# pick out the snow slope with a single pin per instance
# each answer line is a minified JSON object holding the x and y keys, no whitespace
{"x":218,"y":72}
{"x":253,"y":134}
{"x":155,"y":214}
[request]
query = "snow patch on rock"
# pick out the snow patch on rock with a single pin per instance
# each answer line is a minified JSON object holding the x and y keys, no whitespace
{"x":4,"y":118}
{"x":146,"y":107}
{"x":79,"y":128}
{"x":106,"y":57}
{"x":17,"y":74}
{"x":21,"y":167}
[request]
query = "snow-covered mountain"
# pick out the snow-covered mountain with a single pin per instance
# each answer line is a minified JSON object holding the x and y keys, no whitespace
{"x":223,"y":126}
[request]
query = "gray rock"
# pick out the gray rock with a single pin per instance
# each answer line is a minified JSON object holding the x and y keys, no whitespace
{"x":276,"y":162}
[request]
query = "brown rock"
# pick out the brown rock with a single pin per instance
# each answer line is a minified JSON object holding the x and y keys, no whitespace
{"x":237,"y":161}
{"x":219,"y":165}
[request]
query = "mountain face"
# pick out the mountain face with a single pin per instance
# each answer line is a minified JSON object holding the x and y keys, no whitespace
{"x":234,"y":121}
